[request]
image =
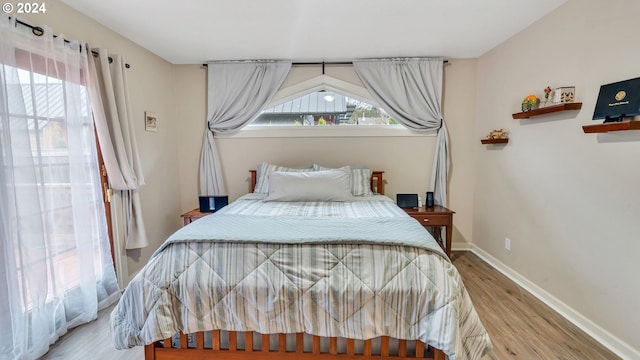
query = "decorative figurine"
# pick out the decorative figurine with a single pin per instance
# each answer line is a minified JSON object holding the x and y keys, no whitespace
{"x":497,"y":134}
{"x":530,"y":102}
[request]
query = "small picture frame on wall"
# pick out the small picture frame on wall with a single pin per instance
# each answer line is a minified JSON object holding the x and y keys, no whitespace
{"x":150,"y":121}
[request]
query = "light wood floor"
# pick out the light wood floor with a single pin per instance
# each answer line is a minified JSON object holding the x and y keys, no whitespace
{"x":520,"y":326}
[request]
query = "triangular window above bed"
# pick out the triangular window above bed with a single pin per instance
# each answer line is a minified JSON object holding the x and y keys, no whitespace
{"x":323,"y":108}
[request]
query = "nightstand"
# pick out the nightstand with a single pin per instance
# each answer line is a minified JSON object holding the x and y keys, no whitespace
{"x":193,"y":215}
{"x":436,"y":216}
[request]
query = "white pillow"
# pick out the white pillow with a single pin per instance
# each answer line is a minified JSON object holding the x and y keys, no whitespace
{"x":328,"y":185}
{"x":263,"y":171}
{"x":360,"y":179}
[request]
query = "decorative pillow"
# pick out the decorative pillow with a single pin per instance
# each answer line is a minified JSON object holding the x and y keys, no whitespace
{"x":360,"y":179}
{"x":327,"y":185}
{"x":262,"y":175}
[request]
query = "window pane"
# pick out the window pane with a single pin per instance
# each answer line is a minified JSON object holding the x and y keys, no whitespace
{"x":43,"y":113}
{"x":323,"y":108}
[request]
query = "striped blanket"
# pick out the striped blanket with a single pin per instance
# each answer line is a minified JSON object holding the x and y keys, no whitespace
{"x":357,"y":270}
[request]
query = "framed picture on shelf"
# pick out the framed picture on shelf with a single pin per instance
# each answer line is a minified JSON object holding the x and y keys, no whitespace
{"x":150,"y":121}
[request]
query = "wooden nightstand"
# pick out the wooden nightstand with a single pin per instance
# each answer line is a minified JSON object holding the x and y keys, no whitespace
{"x":436,"y":216}
{"x":193,"y":215}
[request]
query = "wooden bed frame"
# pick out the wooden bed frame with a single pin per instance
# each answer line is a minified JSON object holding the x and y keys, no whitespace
{"x":165,"y":351}
{"x":227,"y":347}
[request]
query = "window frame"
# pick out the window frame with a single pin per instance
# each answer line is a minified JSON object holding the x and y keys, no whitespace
{"x":323,"y":83}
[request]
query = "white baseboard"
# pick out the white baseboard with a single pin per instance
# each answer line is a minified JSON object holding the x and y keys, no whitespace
{"x":460,"y":246}
{"x":601,"y":335}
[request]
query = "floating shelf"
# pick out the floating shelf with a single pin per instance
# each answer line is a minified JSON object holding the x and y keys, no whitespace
{"x":547,"y":110}
{"x":612,"y":126}
{"x":494,"y":141}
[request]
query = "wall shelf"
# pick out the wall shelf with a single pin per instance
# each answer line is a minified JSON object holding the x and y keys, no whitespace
{"x":494,"y":141}
{"x":612,"y":126}
{"x":547,"y":110}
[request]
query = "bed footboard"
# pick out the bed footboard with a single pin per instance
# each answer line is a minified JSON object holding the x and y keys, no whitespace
{"x":242,"y":346}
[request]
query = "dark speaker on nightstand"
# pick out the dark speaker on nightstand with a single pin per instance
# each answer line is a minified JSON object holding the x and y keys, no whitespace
{"x":429,"y":201}
{"x":213,"y":203}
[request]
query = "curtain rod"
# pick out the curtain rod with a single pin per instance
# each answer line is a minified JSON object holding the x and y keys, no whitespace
{"x":38,"y":31}
{"x":323,"y":63}
{"x":331,"y":63}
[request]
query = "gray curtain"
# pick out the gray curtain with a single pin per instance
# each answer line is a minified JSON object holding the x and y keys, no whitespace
{"x":111,"y":107}
{"x":410,"y":90}
{"x":237,"y":92}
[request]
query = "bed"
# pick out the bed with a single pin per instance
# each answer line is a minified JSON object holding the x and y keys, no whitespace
{"x":267,"y":279}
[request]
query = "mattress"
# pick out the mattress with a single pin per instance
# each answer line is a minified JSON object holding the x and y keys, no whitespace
{"x":358,"y":269}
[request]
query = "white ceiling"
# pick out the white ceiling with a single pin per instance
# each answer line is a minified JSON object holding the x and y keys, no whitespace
{"x":196,"y":31}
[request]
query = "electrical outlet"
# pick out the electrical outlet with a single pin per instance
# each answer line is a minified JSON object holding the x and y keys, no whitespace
{"x":507,"y":244}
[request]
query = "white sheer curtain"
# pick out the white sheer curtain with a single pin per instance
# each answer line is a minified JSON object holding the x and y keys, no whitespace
{"x":410,"y":90}
{"x":109,"y":96}
{"x":55,"y":265}
{"x":237,"y":92}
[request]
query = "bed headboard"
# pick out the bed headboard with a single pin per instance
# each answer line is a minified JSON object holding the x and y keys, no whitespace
{"x":377,"y":181}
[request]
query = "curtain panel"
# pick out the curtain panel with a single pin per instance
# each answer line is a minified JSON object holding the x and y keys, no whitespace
{"x":55,"y":263}
{"x":237,"y":92}
{"x":410,"y":90}
{"x":111,"y":107}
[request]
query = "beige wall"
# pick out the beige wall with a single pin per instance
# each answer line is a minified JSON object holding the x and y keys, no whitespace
{"x":151,"y":84}
{"x":569,"y":201}
{"x":459,"y":99}
{"x":406,"y":160}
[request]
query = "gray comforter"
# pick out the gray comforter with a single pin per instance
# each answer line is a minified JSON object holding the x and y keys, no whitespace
{"x":358,"y":270}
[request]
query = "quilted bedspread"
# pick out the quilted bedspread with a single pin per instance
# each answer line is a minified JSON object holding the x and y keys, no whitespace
{"x":359,"y":270}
